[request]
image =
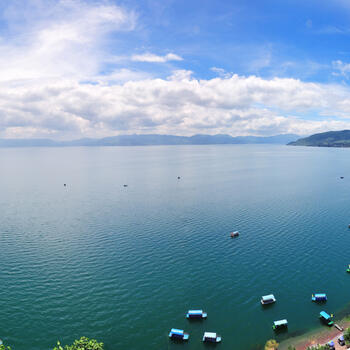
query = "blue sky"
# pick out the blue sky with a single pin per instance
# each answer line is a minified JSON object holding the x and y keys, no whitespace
{"x":94,"y":68}
{"x":300,"y":39}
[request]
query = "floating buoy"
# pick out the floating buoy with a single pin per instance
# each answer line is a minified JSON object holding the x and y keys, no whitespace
{"x":125,"y":185}
{"x":342,"y":177}
{"x":234,"y":234}
{"x":178,"y":177}
{"x":64,"y":185}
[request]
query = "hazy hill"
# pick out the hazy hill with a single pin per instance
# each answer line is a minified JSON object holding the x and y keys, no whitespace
{"x":148,"y":140}
{"x":325,"y":139}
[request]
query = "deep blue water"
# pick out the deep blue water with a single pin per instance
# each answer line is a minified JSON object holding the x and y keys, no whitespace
{"x":124,"y":264}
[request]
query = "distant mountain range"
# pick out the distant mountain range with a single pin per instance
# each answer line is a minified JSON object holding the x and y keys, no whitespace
{"x":325,"y":139}
{"x":150,"y":140}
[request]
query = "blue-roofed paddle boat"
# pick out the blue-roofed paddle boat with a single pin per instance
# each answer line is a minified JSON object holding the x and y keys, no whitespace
{"x":211,"y":337}
{"x":196,"y":314}
{"x":341,"y":340}
{"x":280,"y":324}
{"x":328,"y":319}
{"x":348,"y":269}
{"x":178,"y":334}
{"x":234,"y":234}
{"x":331,"y":345}
{"x":268,"y":299}
{"x":318,"y":297}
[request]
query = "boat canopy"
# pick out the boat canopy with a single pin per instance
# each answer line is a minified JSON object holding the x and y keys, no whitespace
{"x":320,"y":295}
{"x":280,"y":323}
{"x":177,"y":331}
{"x":331,"y":343}
{"x":210,"y":335}
{"x":341,"y":337}
{"x":268,"y":297}
{"x":195,"y":312}
{"x":325,"y":315}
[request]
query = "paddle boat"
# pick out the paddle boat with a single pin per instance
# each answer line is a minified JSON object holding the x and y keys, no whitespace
{"x":211,"y":337}
{"x":341,"y":340}
{"x":331,"y":345}
{"x":195,"y":314}
{"x":328,"y":319}
{"x":280,"y":324}
{"x":178,"y":334}
{"x":268,"y":299}
{"x":317,"y":297}
{"x":348,"y":269}
{"x":234,"y":234}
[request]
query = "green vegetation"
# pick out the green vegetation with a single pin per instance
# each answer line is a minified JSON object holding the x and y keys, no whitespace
{"x":347,"y":336}
{"x":290,"y":347}
{"x":4,"y":347}
{"x":325,"y":139}
{"x":319,"y":347}
{"x":82,"y":344}
{"x":271,"y":345}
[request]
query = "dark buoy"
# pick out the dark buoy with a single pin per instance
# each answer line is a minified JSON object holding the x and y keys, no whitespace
{"x":178,"y":177}
{"x":342,"y":177}
{"x":65,"y":185}
{"x":125,"y":185}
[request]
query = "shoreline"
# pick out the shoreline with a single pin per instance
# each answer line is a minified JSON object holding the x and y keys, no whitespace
{"x":320,"y":336}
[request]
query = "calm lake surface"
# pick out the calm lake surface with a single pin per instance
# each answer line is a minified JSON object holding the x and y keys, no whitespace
{"x":123,"y":265}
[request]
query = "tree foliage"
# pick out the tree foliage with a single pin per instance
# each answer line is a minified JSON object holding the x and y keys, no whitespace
{"x":4,"y":347}
{"x":319,"y":347}
{"x":271,"y":345}
{"x":82,"y":344}
{"x":347,"y":335}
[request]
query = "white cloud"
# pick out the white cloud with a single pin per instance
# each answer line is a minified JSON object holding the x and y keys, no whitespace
{"x":150,"y":57}
{"x":179,"y":105}
{"x":342,"y":68}
{"x":63,"y":38}
{"x":221,"y":72}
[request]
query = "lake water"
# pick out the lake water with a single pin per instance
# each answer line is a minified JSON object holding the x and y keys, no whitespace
{"x":124,"y":264}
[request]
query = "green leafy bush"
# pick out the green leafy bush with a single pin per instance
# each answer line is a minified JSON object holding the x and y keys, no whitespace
{"x":319,"y":347}
{"x":4,"y":347}
{"x":271,"y":345}
{"x":82,"y":344}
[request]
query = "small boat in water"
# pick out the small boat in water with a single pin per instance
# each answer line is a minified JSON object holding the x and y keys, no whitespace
{"x":328,"y":319}
{"x":268,"y":299}
{"x":211,"y":337}
{"x":195,"y":314}
{"x":348,"y":269}
{"x":178,"y":334}
{"x":319,"y":297}
{"x":234,"y":234}
{"x":280,"y":324}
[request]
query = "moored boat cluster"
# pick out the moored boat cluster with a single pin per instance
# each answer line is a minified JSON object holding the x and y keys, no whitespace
{"x":179,"y":334}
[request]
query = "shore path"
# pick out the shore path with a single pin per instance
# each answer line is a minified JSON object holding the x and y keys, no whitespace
{"x":322,"y":339}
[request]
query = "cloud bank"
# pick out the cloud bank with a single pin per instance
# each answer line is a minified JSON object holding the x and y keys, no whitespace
{"x":179,"y":105}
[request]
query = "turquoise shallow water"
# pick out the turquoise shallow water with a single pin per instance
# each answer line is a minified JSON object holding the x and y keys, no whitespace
{"x":123,"y":265}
